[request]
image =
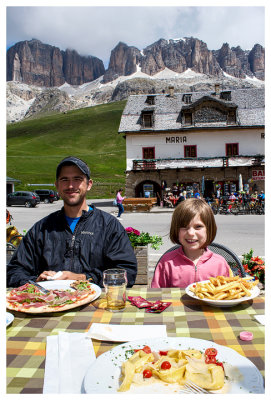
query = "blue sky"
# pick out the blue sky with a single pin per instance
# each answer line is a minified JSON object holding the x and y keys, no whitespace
{"x":95,"y":30}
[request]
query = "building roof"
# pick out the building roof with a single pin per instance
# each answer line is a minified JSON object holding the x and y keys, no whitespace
{"x":168,"y":109}
{"x":12,"y":180}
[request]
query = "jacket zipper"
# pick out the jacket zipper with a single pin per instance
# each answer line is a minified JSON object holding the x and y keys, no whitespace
{"x":73,"y":241}
{"x":195,"y":273}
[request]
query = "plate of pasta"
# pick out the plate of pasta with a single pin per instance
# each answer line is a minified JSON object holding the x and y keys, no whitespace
{"x":224,"y":291}
{"x":163,"y":365}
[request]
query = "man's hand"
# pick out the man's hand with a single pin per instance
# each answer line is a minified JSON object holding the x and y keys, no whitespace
{"x":72,"y":275}
{"x":65,"y":275}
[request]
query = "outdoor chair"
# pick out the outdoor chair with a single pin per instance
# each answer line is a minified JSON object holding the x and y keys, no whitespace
{"x":231,"y":258}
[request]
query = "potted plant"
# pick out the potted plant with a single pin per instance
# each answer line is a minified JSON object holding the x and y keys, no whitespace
{"x":254,"y":266}
{"x":143,"y":238}
{"x":140,"y":241}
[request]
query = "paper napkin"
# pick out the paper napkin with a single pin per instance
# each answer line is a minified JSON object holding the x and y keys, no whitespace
{"x":52,"y":278}
{"x":260,"y":318}
{"x":68,"y":356}
{"x":125,"y":333}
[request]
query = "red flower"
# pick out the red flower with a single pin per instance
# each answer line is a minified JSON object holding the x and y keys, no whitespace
{"x":136,"y":232}
{"x":129,"y":229}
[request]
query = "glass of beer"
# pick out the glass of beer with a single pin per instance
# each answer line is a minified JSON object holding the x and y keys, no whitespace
{"x":115,"y":282}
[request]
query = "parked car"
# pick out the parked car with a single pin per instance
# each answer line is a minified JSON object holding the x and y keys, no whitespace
{"x":28,"y":199}
{"x":46,"y":195}
{"x":56,"y":195}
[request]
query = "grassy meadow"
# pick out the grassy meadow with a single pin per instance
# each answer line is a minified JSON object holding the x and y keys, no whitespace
{"x":35,"y":146}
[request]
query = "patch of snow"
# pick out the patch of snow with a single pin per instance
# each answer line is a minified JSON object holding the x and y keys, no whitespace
{"x":169,"y":74}
{"x":179,"y":40}
{"x":142,"y":52}
{"x":254,"y":79}
{"x":17,"y":107}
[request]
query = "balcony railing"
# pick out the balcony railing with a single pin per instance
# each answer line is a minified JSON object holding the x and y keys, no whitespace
{"x":199,"y":162}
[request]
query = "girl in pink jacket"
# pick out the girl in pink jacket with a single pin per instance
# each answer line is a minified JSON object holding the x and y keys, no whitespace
{"x":193,"y":227}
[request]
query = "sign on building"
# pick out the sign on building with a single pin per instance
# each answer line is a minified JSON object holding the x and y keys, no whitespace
{"x":258,"y":175}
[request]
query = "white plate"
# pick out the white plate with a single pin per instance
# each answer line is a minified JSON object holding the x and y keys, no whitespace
{"x":103,"y":375}
{"x":9,"y":318}
{"x":65,"y":284}
{"x":223,"y":303}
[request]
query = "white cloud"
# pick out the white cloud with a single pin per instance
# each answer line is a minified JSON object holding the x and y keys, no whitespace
{"x":97,"y":30}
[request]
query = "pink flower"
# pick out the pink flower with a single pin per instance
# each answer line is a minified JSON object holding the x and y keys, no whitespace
{"x":129,"y":229}
{"x":136,"y":232}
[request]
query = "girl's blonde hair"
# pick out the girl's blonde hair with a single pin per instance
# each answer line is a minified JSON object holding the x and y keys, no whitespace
{"x":185,"y":212}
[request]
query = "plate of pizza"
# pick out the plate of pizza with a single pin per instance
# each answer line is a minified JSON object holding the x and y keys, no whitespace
{"x":63,"y":295}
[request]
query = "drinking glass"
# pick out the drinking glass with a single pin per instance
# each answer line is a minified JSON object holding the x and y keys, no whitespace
{"x":115,"y":282}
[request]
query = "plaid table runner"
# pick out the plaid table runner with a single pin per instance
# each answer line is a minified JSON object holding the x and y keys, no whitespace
{"x":26,"y":337}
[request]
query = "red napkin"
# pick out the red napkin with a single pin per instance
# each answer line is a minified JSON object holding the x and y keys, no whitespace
{"x":151,"y":307}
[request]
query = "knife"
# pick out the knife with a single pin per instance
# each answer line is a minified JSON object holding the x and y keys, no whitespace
{"x":42,"y":289}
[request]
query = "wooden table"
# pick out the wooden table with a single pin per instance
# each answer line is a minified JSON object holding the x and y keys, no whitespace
{"x":26,"y":336}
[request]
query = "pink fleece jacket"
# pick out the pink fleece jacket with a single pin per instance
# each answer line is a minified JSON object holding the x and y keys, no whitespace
{"x":176,"y":270}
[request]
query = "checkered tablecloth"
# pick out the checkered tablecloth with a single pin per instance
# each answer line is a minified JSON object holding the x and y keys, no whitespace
{"x":26,"y":337}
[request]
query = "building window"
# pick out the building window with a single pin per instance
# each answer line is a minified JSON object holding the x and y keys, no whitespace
{"x":225,"y":95}
{"x":148,"y":153}
{"x":232,"y":149}
{"x":188,"y":118}
{"x":147,"y":120}
{"x":150,"y":100}
{"x":187,"y":98}
{"x":190,"y":151}
{"x":232,"y":117}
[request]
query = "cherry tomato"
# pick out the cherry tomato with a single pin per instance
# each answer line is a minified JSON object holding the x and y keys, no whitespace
{"x":147,"y":373}
{"x":211,"y":351}
{"x":163,"y":352}
{"x":210,"y":360}
{"x":165,"y":365}
{"x":147,"y":349}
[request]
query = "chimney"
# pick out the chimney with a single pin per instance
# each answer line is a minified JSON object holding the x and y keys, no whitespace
{"x":217,"y":89}
{"x":171,"y":91}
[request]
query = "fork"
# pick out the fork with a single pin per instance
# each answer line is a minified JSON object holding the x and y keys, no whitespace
{"x":191,"y":387}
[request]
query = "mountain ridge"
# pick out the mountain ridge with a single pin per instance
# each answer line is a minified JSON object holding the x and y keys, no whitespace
{"x":34,"y":62}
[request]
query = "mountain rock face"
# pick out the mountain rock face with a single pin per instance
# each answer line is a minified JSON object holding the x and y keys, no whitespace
{"x":36,"y":63}
{"x":179,"y":55}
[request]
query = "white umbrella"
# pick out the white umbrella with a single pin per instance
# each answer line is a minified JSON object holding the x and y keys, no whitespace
{"x":240,"y":183}
{"x":202,"y":185}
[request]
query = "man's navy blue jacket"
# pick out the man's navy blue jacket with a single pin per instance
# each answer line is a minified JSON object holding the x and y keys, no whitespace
{"x":99,"y":242}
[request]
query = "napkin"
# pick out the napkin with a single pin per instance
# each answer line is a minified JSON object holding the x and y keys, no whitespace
{"x":52,"y":278}
{"x":260,"y":318}
{"x":125,"y":333}
{"x":68,"y":356}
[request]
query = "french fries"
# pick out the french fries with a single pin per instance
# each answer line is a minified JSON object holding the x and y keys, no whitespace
{"x":224,"y":288}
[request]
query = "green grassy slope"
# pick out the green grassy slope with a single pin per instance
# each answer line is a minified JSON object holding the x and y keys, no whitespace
{"x":34,"y":147}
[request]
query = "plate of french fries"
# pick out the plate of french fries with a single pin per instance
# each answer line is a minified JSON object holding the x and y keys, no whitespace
{"x":222,"y":291}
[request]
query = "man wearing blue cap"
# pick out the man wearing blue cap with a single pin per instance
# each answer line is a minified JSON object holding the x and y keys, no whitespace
{"x":79,"y":241}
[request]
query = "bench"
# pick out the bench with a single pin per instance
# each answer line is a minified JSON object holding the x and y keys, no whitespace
{"x":140,"y":204}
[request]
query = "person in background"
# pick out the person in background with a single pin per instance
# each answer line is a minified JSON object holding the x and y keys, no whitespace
{"x":120,"y":199}
{"x":193,"y":227}
{"x":261,"y":197}
{"x":196,"y":195}
{"x":79,"y":240}
{"x":180,"y":198}
{"x":232,"y":197}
